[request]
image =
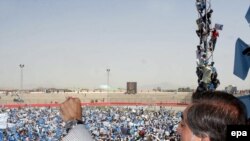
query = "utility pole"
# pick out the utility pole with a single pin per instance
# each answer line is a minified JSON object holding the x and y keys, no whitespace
{"x":108,"y":70}
{"x":21,"y":80}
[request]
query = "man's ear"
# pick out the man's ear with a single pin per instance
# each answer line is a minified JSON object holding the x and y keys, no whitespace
{"x":205,"y":139}
{"x":196,"y":138}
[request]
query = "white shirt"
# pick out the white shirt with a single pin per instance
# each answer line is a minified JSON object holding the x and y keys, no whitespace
{"x":78,"y":133}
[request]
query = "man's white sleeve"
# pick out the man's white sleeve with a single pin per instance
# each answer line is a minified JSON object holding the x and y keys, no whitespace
{"x":78,"y":133}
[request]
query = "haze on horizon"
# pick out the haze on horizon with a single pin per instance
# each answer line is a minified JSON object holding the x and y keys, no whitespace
{"x":70,"y":44}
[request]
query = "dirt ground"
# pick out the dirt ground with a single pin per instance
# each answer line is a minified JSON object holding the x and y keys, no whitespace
{"x":149,"y":97}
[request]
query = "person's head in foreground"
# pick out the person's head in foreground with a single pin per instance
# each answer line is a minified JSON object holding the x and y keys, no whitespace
{"x":207,"y":117}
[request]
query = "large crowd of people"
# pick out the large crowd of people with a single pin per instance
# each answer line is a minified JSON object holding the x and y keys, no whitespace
{"x":131,"y":123}
{"x":104,"y":123}
{"x":30,"y":124}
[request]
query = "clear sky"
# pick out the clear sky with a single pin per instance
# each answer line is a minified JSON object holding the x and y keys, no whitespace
{"x":71,"y":43}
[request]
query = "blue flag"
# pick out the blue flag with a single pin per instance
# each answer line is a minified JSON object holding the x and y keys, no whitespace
{"x":241,"y":62}
{"x":248,"y":15}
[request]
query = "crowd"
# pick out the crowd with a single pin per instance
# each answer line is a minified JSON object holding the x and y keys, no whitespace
{"x":205,"y":70}
{"x":131,"y":123}
{"x":112,"y":123}
{"x":31,"y":124}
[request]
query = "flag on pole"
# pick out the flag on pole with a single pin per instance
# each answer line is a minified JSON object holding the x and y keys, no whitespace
{"x":218,"y":26}
{"x":241,"y":62}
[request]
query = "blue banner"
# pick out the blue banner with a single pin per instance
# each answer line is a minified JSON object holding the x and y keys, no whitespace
{"x":241,"y":62}
{"x":248,"y":15}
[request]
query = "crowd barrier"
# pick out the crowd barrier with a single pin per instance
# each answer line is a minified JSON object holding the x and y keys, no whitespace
{"x":174,"y":104}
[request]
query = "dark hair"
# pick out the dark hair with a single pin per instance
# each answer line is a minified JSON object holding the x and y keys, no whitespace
{"x":211,"y":112}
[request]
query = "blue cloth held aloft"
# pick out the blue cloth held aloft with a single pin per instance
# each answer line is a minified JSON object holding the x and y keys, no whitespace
{"x":241,"y":62}
{"x":248,"y":15}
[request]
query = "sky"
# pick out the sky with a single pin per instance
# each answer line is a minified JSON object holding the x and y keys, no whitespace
{"x":71,"y":43}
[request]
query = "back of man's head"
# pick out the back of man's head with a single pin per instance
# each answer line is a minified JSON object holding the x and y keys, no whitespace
{"x":211,"y":112}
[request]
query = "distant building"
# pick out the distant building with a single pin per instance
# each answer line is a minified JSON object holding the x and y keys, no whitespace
{"x":37,"y":91}
{"x":187,"y":89}
{"x":3,"y":92}
{"x":54,"y":90}
{"x":158,"y":89}
{"x":231,"y":89}
{"x":131,"y":88}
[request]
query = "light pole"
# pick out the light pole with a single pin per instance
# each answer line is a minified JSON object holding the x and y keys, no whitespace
{"x":21,"y":81}
{"x":108,"y":70}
